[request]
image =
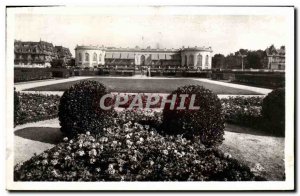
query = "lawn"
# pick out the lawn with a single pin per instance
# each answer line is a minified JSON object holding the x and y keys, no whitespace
{"x":147,"y":86}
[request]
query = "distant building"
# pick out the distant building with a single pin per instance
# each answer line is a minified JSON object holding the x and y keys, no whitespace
{"x":276,"y":57}
{"x":94,"y":56}
{"x":63,"y":54}
{"x":38,"y":53}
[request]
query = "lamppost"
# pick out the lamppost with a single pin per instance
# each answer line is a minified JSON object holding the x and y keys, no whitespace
{"x":243,"y":56}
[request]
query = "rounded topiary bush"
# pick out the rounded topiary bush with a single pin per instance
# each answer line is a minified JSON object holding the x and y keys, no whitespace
{"x":206,"y":123}
{"x":79,"y":109}
{"x":273,"y":112}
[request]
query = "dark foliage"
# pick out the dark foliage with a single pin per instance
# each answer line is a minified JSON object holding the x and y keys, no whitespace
{"x":245,"y":111}
{"x":28,"y":74}
{"x":273,"y":112}
{"x":79,"y":108}
{"x":131,"y":152}
{"x":34,"y":107}
{"x":17,"y":108}
{"x":206,"y":123}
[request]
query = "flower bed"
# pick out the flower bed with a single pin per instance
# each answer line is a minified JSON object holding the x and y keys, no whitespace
{"x":35,"y":107}
{"x":131,"y":152}
{"x":237,"y":110}
{"x":242,"y":111}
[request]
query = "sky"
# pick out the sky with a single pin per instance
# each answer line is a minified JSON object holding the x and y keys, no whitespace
{"x":224,"y":33}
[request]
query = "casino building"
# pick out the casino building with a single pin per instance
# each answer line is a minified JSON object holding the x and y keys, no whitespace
{"x":94,"y":56}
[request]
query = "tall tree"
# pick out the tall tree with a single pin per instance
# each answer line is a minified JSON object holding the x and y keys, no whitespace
{"x":218,"y":61}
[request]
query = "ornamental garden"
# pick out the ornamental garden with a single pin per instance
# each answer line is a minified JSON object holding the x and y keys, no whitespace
{"x":126,"y":142}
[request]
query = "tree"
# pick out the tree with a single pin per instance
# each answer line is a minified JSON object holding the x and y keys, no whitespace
{"x":218,"y":61}
{"x":256,"y":59}
{"x":57,"y":63}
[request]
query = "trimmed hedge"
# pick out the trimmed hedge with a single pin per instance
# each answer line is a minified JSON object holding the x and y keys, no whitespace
{"x":34,"y":107}
{"x":29,"y":74}
{"x":79,"y":108}
{"x":17,"y":108}
{"x":207,"y":122}
{"x":273,"y":112}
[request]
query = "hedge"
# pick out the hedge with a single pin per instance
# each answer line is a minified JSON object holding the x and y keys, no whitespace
{"x":29,"y":74}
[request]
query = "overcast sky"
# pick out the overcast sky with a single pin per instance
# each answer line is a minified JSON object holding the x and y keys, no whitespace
{"x":225,"y":34}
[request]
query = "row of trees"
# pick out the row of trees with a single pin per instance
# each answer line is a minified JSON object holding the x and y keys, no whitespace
{"x":251,"y":59}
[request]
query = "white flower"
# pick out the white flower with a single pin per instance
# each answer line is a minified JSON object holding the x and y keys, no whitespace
{"x":93,"y":152}
{"x":92,"y":161}
{"x":54,"y":162}
{"x":165,"y":152}
{"x":88,"y":133}
{"x":65,"y":139}
{"x":45,"y":162}
{"x":67,"y":157}
{"x":81,"y":153}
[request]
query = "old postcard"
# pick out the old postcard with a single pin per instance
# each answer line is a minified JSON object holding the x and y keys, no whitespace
{"x":150,"y":98}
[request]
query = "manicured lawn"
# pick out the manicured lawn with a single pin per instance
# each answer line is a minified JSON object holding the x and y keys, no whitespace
{"x":147,"y":86}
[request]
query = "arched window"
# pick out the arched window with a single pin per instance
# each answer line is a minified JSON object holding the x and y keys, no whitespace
{"x":206,"y":61}
{"x":199,"y":60}
{"x":191,"y":60}
{"x":185,"y":60}
{"x":79,"y":56}
{"x":100,"y":57}
{"x":87,"y":57}
{"x":95,"y":57}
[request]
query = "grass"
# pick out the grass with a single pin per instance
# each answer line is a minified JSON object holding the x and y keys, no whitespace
{"x":147,"y":86}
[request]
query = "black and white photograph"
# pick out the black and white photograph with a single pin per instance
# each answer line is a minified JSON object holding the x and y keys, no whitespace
{"x":193,"y":98}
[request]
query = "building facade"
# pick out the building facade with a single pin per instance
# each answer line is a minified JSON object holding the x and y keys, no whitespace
{"x":38,"y":53}
{"x":276,"y":58}
{"x":94,"y":56}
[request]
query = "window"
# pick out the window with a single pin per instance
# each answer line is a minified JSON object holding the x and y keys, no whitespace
{"x":100,"y":56}
{"x":79,"y":56}
{"x":185,"y":60}
{"x":199,"y":60}
{"x":87,"y":57}
{"x":95,"y":57}
{"x":191,"y":60}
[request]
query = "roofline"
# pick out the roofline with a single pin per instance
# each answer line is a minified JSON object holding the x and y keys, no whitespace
{"x":141,"y":49}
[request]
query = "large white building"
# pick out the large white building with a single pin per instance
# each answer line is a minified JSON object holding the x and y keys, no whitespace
{"x":94,"y":56}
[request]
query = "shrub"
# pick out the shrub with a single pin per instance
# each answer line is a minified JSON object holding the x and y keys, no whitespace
{"x":17,"y":108}
{"x":244,"y":111}
{"x":131,"y":152}
{"x":79,"y":108}
{"x":61,"y":73}
{"x":273,"y":112}
{"x":28,"y":74}
{"x":207,"y":122}
{"x":35,"y":107}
